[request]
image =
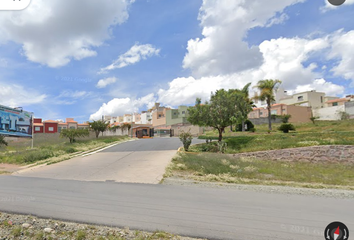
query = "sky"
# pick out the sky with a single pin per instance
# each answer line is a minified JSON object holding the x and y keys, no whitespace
{"x":88,"y":58}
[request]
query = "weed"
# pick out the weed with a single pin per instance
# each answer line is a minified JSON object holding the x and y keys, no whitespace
{"x":16,"y":232}
{"x":81,"y":235}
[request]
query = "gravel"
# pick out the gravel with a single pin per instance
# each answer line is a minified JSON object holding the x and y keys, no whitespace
{"x":330,"y":193}
{"x":24,"y":227}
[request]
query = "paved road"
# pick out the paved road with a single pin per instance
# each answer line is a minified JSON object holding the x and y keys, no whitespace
{"x":140,"y":161}
{"x":201,"y":212}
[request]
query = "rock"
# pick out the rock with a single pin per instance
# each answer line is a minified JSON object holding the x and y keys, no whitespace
{"x":26,"y":225}
{"x":48,"y":230}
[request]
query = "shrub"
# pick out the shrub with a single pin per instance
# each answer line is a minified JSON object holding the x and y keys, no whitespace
{"x":72,"y":134}
{"x":37,"y":155}
{"x":248,"y":123}
{"x":2,"y":141}
{"x":252,"y":130}
{"x":285,"y":118}
{"x":186,"y":139}
{"x":286,"y":127}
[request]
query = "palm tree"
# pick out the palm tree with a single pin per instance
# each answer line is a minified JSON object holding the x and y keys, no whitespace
{"x":266,"y":93}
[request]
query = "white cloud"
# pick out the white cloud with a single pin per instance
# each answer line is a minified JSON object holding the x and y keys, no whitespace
{"x":68,"y":97}
{"x":321,"y":85}
{"x":120,"y":106}
{"x":283,"y":59}
{"x":343,"y":50}
{"x":55,"y":32}
{"x":134,"y":55}
{"x":222,"y":50}
{"x":18,"y":96}
{"x":105,"y":82}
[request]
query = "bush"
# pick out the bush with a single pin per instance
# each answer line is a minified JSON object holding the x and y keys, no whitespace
{"x":285,"y":118}
{"x":248,"y":123}
{"x":37,"y":155}
{"x":186,"y":139}
{"x":286,"y":127}
{"x":2,"y":141}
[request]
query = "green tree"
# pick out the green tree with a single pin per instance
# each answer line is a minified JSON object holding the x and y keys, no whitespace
{"x":99,"y":126}
{"x":217,"y":113}
{"x":266,"y":93}
{"x":72,"y":134}
{"x":2,"y":141}
{"x":244,"y":105}
{"x":126,"y":126}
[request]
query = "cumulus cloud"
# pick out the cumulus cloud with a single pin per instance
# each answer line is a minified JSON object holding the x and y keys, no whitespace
{"x":343,"y":50}
{"x":120,"y":106}
{"x":17,"y":96}
{"x":321,"y":85}
{"x":283,"y":59}
{"x":105,"y":82}
{"x":55,"y":32}
{"x":225,"y":23}
{"x":134,"y":55}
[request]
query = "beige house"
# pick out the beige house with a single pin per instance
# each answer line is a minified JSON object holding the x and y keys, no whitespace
{"x":307,"y":99}
{"x":299,"y":114}
{"x":339,"y":101}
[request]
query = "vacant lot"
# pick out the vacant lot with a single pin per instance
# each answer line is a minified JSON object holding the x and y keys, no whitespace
{"x":323,"y":133}
{"x":62,"y":150}
{"x":203,"y":164}
{"x":215,"y":167}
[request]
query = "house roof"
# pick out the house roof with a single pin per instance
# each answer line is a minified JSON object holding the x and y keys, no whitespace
{"x":339,"y":100}
{"x":71,"y":121}
{"x":50,"y":121}
{"x":83,"y":124}
{"x":63,"y":123}
{"x":38,"y":124}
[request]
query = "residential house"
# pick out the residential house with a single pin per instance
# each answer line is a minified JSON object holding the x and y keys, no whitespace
{"x":51,"y":126}
{"x":159,"y":115}
{"x":177,"y":116}
{"x":299,"y":114}
{"x":146,"y":117}
{"x":308,"y":99}
{"x":136,"y":118}
{"x":127,"y":118}
{"x":339,"y":101}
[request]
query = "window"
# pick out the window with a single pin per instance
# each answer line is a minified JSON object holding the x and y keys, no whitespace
{"x":300,"y":98}
{"x":274,"y":112}
{"x":72,"y":127}
{"x":37,"y":129}
{"x":59,"y":129}
{"x":321,"y":99}
{"x":260,"y":113}
{"x":51,"y":129}
{"x":159,"y":115}
{"x":334,"y":104}
{"x":183,"y":112}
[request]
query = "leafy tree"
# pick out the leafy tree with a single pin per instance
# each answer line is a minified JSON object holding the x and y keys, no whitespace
{"x":186,"y":139}
{"x":2,"y":141}
{"x":72,"y":134}
{"x":266,"y":93}
{"x":99,"y":126}
{"x":285,"y":118}
{"x":217,"y":113}
{"x":243,"y":104}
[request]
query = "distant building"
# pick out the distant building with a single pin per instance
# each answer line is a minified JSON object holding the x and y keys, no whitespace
{"x":146,"y":117}
{"x":339,"y":101}
{"x":299,"y":114}
{"x":306,"y":99}
{"x":51,"y":126}
{"x":177,"y":116}
{"x":127,"y":118}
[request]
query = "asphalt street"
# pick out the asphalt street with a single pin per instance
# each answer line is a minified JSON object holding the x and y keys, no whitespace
{"x":211,"y":213}
{"x":139,"y":161}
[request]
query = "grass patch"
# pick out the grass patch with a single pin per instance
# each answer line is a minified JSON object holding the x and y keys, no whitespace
{"x":63,"y":150}
{"x":307,"y":134}
{"x":224,"y":168}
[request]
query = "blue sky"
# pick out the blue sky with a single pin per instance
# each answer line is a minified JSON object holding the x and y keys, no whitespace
{"x":88,"y":58}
